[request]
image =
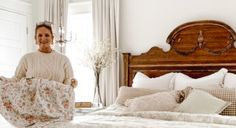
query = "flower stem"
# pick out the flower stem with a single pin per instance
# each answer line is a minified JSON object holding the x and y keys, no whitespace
{"x":97,"y":87}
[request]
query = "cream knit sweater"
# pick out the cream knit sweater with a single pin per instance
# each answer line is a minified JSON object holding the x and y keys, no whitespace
{"x":52,"y":66}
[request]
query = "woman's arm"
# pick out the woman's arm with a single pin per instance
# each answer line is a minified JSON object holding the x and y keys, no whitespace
{"x":21,"y":69}
{"x":69,"y":76}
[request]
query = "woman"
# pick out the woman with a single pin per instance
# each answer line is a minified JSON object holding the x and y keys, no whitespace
{"x":38,"y":91}
{"x":44,"y":63}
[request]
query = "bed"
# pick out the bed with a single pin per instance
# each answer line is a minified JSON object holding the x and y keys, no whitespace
{"x":198,"y":49}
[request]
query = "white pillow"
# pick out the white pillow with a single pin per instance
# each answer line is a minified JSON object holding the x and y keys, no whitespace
{"x":199,"y":101}
{"x":214,"y":80}
{"x":129,"y":93}
{"x":230,"y":80}
{"x":161,"y":101}
{"x":163,"y":82}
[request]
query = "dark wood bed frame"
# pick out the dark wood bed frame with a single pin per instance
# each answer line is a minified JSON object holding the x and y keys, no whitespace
{"x":198,"y":49}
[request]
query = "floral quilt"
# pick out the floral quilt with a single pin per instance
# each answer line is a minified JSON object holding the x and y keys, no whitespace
{"x":30,"y":101}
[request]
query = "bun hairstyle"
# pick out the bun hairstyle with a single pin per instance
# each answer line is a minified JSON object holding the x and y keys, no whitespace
{"x":45,"y":24}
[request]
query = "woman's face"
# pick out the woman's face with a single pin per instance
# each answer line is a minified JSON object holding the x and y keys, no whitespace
{"x":44,"y":39}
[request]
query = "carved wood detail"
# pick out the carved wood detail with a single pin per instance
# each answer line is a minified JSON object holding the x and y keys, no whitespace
{"x":189,"y":37}
{"x":197,"y":49}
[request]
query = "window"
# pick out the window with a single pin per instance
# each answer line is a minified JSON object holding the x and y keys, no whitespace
{"x":80,"y":28}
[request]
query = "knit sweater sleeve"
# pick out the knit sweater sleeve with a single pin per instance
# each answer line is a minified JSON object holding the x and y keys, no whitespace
{"x":68,"y":72}
{"x":21,"y":68}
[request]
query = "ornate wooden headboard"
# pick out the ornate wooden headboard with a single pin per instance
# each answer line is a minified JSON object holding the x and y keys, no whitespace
{"x":197,"y":49}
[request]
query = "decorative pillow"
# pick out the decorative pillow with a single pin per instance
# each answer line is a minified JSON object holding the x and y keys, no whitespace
{"x":214,"y":80}
{"x":230,"y":80}
{"x":129,"y":93}
{"x":161,"y":101}
{"x":162,"y":82}
{"x":199,"y":101}
{"x":226,"y":94}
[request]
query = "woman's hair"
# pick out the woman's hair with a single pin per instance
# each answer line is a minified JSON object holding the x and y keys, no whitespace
{"x":45,"y":24}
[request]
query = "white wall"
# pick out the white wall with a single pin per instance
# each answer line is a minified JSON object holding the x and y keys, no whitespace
{"x":147,"y":23}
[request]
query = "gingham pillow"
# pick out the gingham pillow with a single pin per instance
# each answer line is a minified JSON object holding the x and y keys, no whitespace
{"x":225,"y":94}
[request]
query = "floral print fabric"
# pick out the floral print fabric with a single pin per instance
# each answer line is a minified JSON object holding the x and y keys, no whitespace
{"x":29,"y":101}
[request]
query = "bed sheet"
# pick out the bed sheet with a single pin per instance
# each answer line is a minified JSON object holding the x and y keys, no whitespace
{"x":117,"y":116}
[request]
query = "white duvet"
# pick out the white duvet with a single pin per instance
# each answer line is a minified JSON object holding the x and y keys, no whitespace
{"x":117,"y":117}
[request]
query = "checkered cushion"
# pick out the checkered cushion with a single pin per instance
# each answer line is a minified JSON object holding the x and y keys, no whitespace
{"x":226,"y":94}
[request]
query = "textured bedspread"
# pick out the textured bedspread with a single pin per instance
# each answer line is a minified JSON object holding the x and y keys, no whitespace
{"x":119,"y":118}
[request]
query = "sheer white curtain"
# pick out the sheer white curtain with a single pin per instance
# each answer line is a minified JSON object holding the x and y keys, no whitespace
{"x":56,"y":12}
{"x":106,"y":26}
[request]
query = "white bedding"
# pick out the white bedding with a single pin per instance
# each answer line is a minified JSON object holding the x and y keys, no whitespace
{"x":117,"y":116}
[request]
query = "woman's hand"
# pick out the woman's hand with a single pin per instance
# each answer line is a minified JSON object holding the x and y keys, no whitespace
{"x":74,"y":82}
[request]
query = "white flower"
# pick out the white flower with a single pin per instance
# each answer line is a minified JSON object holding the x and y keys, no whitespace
{"x":99,"y":55}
